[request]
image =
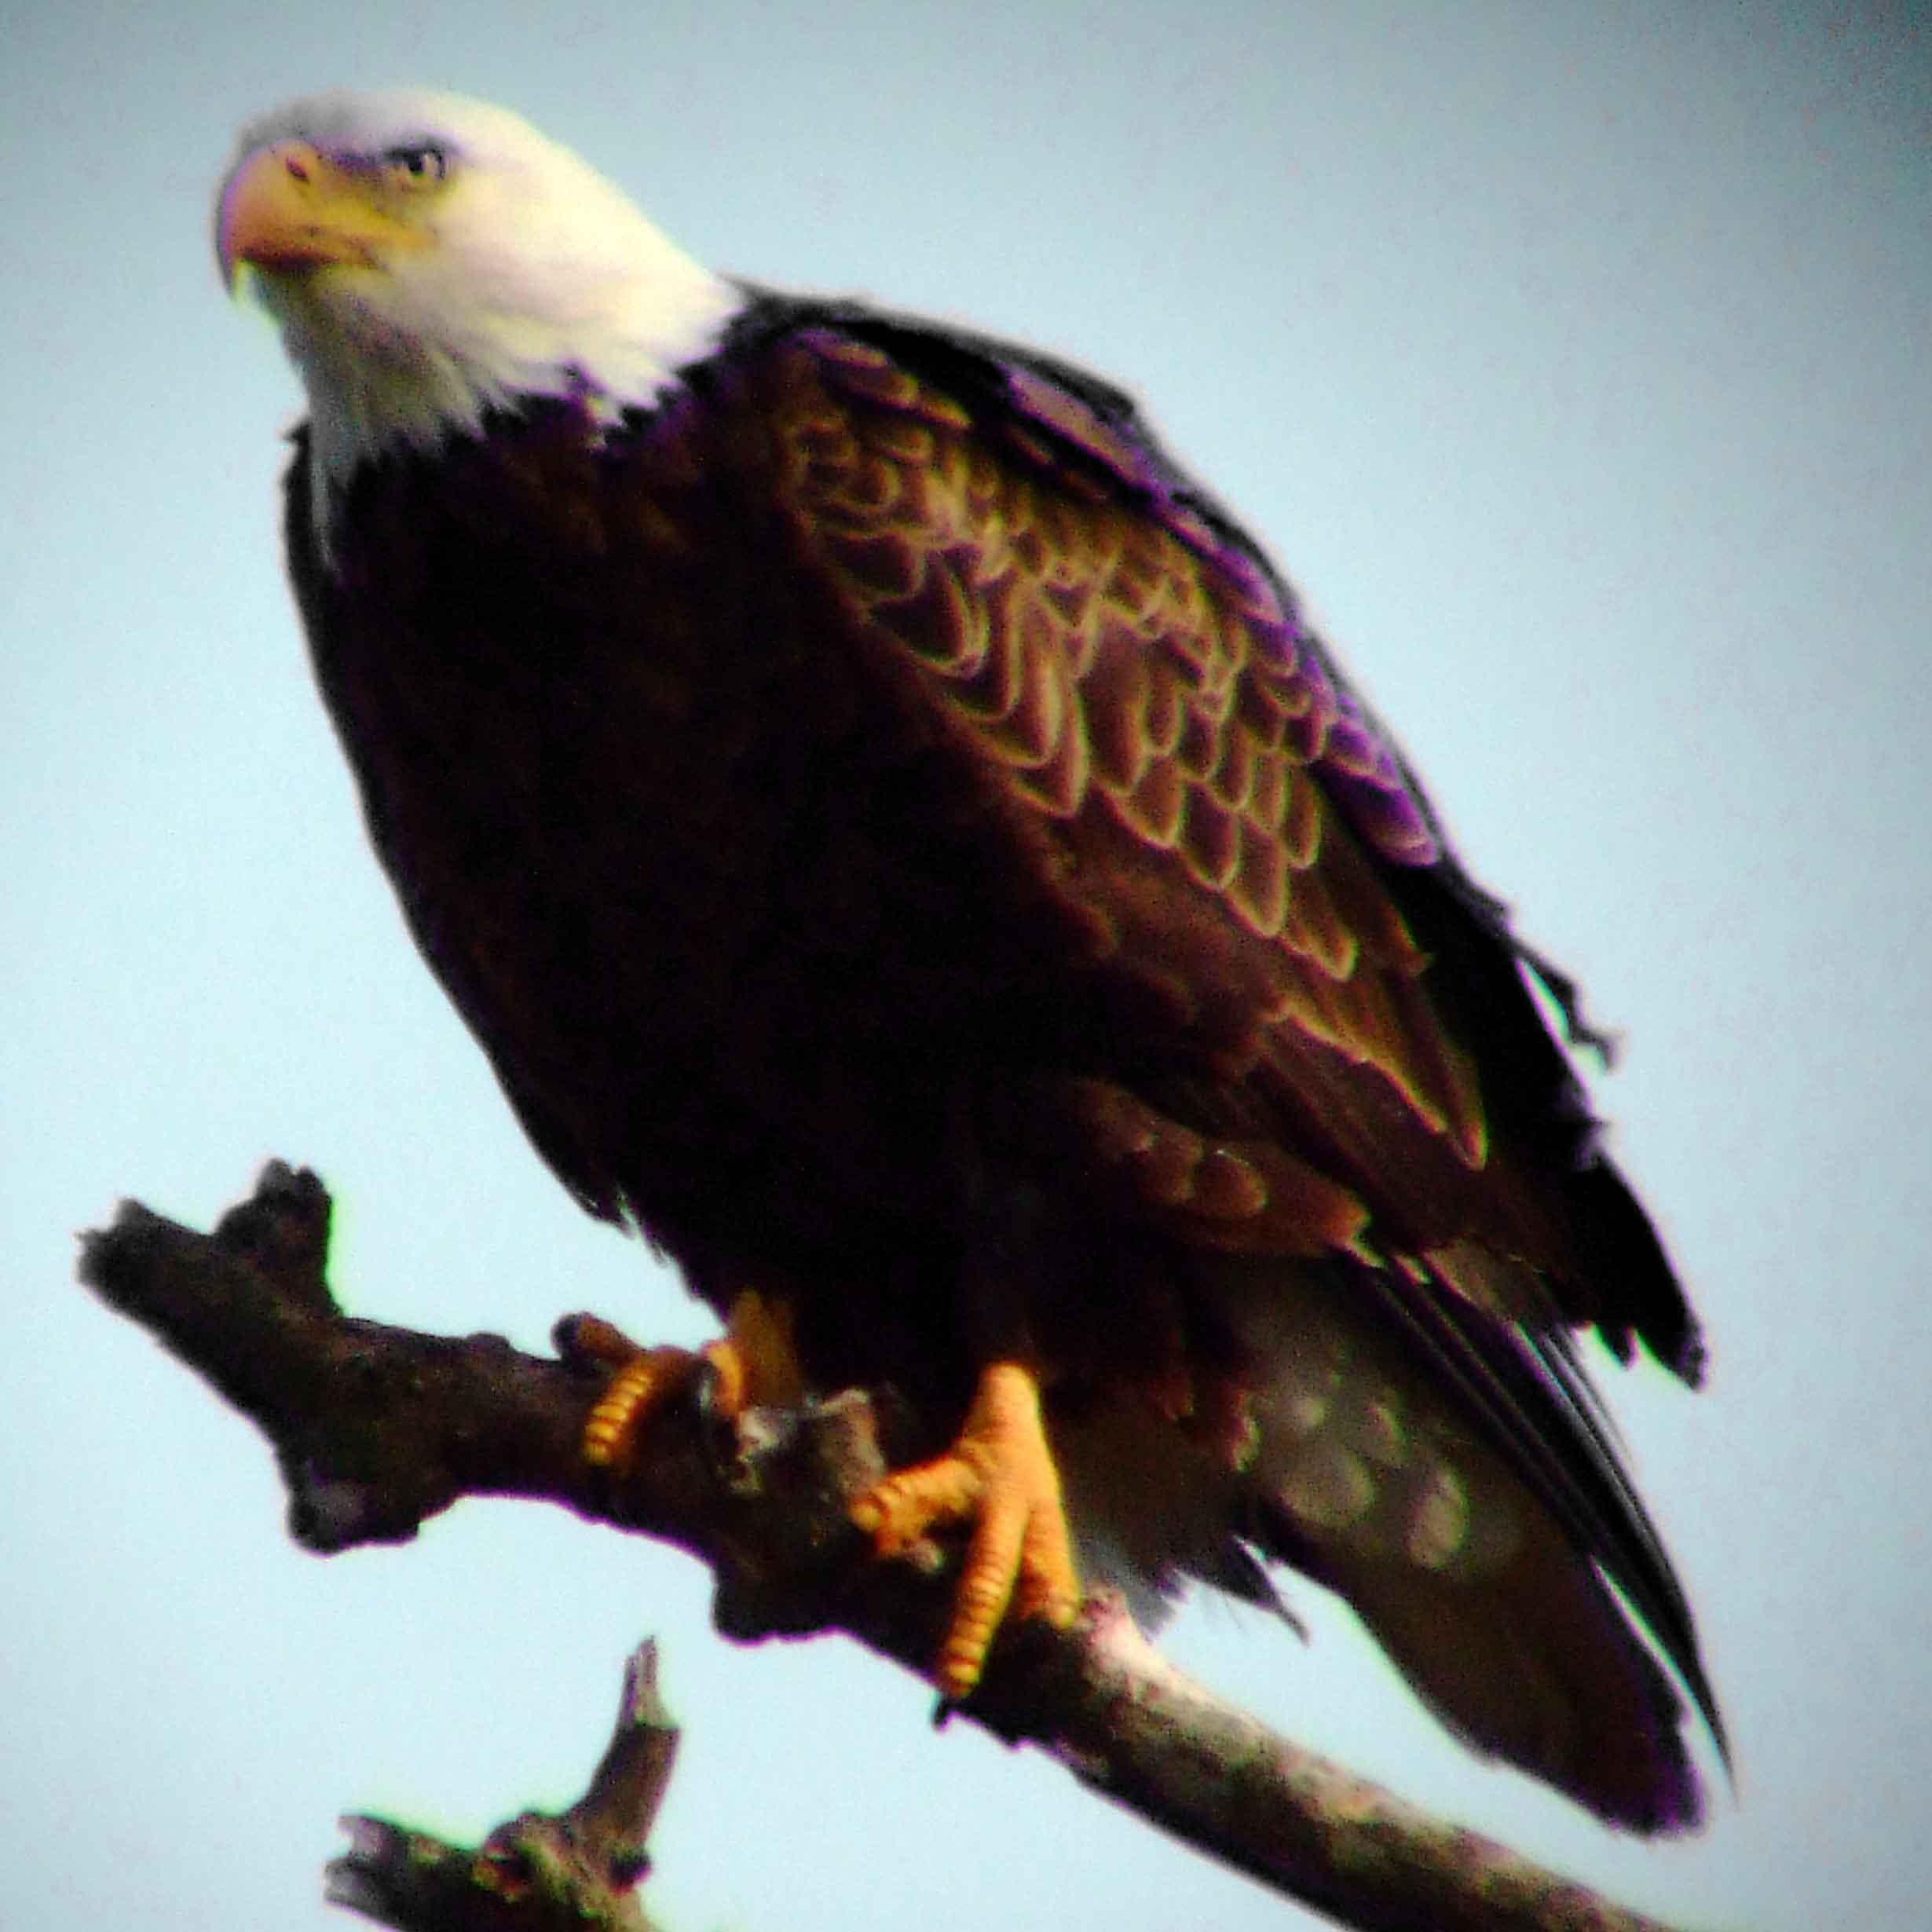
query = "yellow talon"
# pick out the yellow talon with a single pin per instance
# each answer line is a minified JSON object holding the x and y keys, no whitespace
{"x":752,"y":1362}
{"x":1001,"y":1477}
{"x":638,"y":1385}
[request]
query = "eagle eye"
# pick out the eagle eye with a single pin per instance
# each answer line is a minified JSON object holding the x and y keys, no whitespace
{"x":417,"y":163}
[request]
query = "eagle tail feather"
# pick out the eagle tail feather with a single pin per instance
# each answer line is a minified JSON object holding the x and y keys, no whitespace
{"x":1450,"y":1475}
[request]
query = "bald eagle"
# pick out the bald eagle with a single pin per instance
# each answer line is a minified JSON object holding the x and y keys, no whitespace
{"x":902,"y":850}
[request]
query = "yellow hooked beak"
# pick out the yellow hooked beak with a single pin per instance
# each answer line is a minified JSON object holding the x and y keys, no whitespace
{"x":287,"y":208}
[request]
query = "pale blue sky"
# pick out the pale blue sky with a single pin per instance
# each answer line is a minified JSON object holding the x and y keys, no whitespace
{"x":1578,"y":373}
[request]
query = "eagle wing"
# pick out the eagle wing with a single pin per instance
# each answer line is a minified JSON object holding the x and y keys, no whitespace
{"x":1329,"y":1045}
{"x":1265,"y":877}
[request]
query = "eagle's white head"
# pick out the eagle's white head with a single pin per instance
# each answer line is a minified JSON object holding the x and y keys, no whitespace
{"x":430,"y":257}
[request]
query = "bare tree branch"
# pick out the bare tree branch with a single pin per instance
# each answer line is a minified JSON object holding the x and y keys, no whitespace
{"x":577,"y":1872}
{"x":378,"y":1429}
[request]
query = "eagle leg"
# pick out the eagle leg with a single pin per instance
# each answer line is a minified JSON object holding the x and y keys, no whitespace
{"x":1001,"y":1477}
{"x":752,"y":1362}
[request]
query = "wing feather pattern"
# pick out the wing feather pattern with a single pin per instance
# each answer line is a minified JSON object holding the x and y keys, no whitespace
{"x":1160,"y":703}
{"x":1341,"y":1065}
{"x":1230,"y":809}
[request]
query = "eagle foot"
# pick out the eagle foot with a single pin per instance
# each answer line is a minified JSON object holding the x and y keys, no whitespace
{"x":1000,"y":1476}
{"x":752,"y":1362}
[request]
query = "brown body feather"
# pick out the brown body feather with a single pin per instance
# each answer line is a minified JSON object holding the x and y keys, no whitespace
{"x":894,"y":843}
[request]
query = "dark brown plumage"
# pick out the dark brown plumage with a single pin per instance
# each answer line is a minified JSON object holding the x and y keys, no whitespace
{"x":896,"y":843}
